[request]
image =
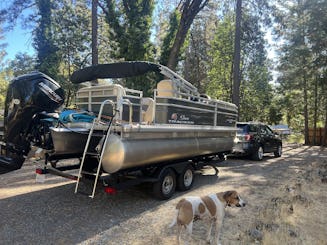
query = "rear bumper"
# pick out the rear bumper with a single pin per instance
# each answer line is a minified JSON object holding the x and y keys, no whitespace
{"x":242,"y":148}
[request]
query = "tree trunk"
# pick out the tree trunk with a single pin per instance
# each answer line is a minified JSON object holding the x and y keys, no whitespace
{"x":305,"y":91}
{"x":190,"y":8}
{"x":324,"y":138}
{"x":94,"y":35}
{"x":237,"y":55}
{"x":315,"y":116}
{"x":178,"y":42}
{"x":94,"y":32}
{"x":305,"y":109}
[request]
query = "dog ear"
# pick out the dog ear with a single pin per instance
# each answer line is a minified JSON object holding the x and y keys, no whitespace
{"x":227,"y":196}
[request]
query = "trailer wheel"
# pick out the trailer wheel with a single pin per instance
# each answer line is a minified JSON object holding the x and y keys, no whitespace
{"x":165,"y":187}
{"x":185,"y":179}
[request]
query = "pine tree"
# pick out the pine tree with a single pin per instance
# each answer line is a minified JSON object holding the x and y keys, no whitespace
{"x":129,"y":26}
{"x":47,"y":52}
{"x":302,"y":59}
{"x":255,"y":90}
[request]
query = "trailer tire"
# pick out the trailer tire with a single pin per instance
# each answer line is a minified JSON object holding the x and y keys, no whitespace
{"x":185,"y":179}
{"x":165,"y":187}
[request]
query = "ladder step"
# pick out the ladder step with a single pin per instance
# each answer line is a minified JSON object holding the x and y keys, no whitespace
{"x":88,"y":173}
{"x":92,"y":153}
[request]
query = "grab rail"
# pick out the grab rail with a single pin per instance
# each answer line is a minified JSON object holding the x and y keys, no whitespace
{"x":102,"y":106}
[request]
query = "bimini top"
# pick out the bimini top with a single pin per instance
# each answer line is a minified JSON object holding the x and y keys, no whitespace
{"x":130,"y":69}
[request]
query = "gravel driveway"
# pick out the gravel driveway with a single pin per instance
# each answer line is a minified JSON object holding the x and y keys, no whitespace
{"x":50,"y":212}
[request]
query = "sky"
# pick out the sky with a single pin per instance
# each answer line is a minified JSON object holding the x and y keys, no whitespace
{"x":18,"y":40}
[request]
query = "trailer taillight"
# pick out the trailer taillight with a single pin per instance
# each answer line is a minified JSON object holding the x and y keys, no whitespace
{"x":39,"y":171}
{"x":110,"y":190}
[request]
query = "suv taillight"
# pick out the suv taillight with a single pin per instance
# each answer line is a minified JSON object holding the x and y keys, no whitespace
{"x":248,"y":137}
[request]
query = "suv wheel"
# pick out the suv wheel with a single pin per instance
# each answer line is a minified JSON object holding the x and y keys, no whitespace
{"x":278,"y":152}
{"x":258,"y":154}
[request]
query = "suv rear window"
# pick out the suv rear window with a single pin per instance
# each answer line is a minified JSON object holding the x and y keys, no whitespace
{"x":246,"y":128}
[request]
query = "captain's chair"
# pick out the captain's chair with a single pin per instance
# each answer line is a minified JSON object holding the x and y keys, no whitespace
{"x":166,"y":88}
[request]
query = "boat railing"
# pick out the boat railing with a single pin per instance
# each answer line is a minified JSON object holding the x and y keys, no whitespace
{"x":180,"y":82}
{"x":90,"y":98}
{"x":197,"y":98}
{"x":133,"y":93}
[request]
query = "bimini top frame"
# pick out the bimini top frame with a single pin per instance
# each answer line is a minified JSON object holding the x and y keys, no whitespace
{"x":130,"y":69}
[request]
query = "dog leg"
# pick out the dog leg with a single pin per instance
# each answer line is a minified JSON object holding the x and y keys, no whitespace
{"x":208,"y":240}
{"x":189,"y":228}
{"x":179,"y":234}
{"x":174,"y":221}
{"x":218,"y":228}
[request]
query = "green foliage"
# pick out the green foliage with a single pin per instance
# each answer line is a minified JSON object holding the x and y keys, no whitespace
{"x":5,"y":76}
{"x":129,"y":22}
{"x":255,"y":90}
{"x":197,"y":47}
{"x":22,"y":64}
{"x":72,"y":25}
{"x":47,"y":52}
{"x":303,"y":61}
{"x":221,"y":54}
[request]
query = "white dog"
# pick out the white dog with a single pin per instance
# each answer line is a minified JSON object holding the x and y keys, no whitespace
{"x":192,"y":208}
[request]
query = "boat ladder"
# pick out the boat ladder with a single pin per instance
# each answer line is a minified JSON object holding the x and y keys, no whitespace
{"x":98,"y":153}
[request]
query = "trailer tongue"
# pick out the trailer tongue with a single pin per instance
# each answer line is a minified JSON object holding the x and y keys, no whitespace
{"x":116,"y":132}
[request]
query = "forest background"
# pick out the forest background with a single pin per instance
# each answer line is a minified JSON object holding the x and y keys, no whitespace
{"x":219,"y":46}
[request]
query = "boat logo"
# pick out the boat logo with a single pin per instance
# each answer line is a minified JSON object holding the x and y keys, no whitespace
{"x":184,"y":118}
{"x":50,"y":93}
{"x":174,"y":116}
{"x":180,"y":119}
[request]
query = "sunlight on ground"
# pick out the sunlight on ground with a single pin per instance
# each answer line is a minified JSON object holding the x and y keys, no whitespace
{"x":30,"y":185}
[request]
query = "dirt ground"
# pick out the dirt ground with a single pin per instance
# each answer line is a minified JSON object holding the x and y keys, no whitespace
{"x":286,"y":204}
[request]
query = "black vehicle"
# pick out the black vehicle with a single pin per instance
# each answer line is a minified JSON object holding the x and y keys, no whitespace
{"x":255,"y":139}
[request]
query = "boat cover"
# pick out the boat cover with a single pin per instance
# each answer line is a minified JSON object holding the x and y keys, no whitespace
{"x":114,"y":70}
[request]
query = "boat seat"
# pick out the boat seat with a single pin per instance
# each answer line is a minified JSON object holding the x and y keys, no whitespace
{"x":147,"y":110}
{"x":166,"y":88}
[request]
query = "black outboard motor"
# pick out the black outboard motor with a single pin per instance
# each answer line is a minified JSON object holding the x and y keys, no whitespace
{"x":27,"y":95}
